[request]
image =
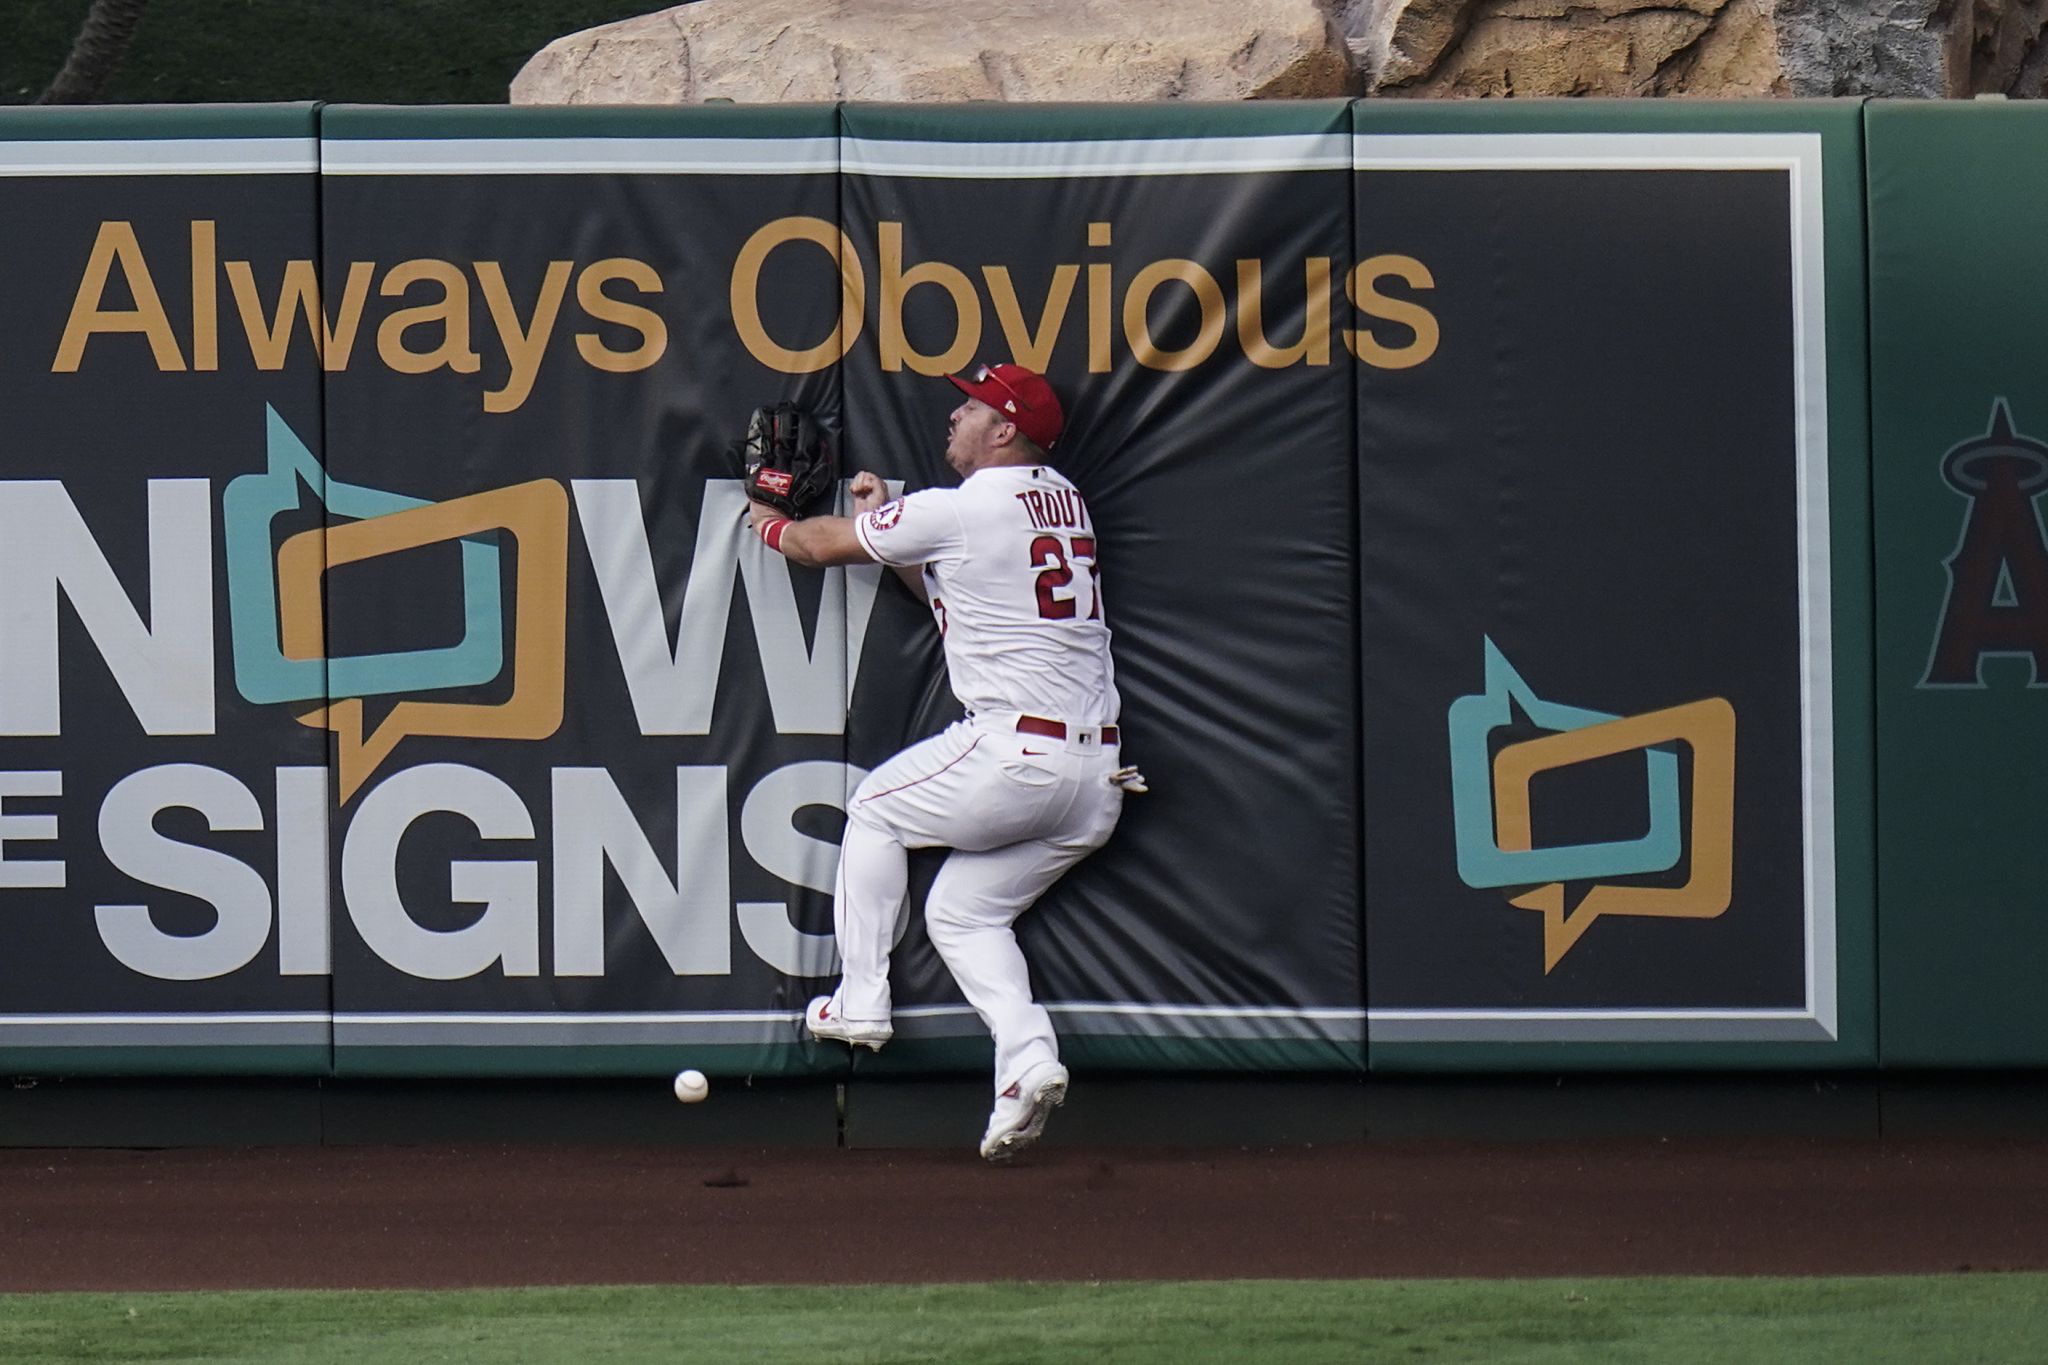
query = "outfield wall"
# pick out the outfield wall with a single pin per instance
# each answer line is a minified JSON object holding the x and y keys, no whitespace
{"x":388,"y":687}
{"x":1960,"y":412}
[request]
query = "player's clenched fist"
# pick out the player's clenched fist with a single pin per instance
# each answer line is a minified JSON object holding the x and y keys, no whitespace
{"x":868,"y":491}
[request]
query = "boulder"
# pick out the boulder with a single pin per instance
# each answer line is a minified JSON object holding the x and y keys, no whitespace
{"x":1697,"y":47}
{"x":1122,"y":50}
{"x":774,"y":51}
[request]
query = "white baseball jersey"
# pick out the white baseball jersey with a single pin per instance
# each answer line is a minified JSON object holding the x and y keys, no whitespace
{"x":1009,"y":565}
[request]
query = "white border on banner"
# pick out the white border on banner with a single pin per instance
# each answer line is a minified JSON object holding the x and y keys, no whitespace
{"x":1598,"y":1026}
{"x":162,"y":156}
{"x":1799,"y":155}
{"x":1328,"y":151}
{"x":681,"y":155}
{"x":255,"y":1028}
{"x":457,"y":1028}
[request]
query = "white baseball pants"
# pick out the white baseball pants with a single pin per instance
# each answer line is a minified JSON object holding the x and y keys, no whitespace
{"x":1017,"y":810}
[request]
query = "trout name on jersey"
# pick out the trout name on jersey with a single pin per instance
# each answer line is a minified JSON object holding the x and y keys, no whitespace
{"x":1054,"y":509}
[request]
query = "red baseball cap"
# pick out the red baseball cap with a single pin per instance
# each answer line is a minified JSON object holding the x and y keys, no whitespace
{"x":1019,"y":394}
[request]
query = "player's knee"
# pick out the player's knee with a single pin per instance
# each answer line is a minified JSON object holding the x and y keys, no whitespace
{"x":942,"y":922}
{"x":949,"y":921}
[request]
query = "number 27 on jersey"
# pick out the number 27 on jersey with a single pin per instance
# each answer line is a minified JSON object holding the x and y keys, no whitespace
{"x":1065,"y":578}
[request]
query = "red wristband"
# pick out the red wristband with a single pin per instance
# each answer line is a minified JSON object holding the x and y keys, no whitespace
{"x":772,"y":530}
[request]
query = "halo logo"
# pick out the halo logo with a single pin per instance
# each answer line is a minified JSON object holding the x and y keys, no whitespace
{"x":276,"y":608}
{"x":1997,"y":600}
{"x":1491,"y":807}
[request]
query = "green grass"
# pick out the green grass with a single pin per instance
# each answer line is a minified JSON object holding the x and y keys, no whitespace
{"x":346,"y":51}
{"x":1990,"y":1318}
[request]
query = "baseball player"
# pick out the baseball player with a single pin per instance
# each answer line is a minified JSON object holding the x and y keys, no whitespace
{"x":1031,"y":781}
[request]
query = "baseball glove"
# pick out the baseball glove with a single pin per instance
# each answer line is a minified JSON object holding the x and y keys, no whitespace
{"x":786,"y":459}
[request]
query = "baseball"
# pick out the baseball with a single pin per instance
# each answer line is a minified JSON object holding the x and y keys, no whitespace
{"x":691,"y":1086}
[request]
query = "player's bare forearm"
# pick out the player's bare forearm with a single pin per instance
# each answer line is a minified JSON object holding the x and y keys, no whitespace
{"x":822,"y":542}
{"x":816,"y":542}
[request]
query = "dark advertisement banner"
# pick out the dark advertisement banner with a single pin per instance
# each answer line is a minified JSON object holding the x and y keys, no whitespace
{"x":574,"y":745}
{"x":1960,"y":417}
{"x":1180,"y":276}
{"x":389,"y":684}
{"x":163,"y":894}
{"x":1599,"y":591}
{"x":587,"y":806}
{"x":588,"y":731}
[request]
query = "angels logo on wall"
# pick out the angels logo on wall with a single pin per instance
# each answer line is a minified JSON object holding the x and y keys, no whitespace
{"x":1997,"y":600}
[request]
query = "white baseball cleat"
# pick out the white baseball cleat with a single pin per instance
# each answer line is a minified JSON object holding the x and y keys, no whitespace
{"x":1021,"y":1111}
{"x":823,"y":1020}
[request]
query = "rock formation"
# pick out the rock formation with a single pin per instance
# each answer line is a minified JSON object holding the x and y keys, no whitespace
{"x":1013,"y":50}
{"x":1697,"y":47}
{"x":760,"y":51}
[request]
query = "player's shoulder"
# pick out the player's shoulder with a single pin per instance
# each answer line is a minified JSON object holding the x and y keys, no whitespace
{"x":928,"y":503}
{"x":919,"y":500}
{"x":1039,"y":474}
{"x":929,"y":509}
{"x":1002,"y":483}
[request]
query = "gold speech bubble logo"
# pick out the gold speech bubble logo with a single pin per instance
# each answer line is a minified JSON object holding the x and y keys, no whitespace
{"x":537,"y":516}
{"x":1708,"y":727}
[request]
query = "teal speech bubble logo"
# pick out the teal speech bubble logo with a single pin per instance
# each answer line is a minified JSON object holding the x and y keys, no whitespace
{"x":1482,"y":862}
{"x":262,"y":672}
